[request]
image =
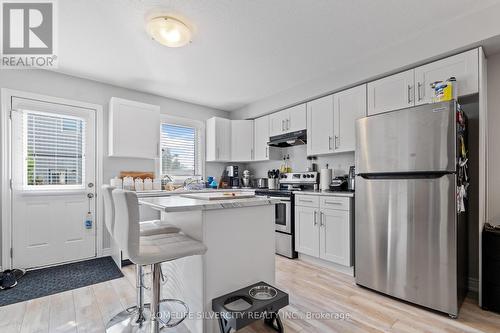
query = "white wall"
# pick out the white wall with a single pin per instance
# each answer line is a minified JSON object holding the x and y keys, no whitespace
{"x":70,"y":87}
{"x":493,"y":195}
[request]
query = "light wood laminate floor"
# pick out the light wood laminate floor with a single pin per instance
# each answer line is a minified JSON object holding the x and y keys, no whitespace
{"x":314,"y":291}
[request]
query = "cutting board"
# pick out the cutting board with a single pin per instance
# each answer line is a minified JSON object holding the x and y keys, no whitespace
{"x":137,"y":174}
{"x":219,"y":195}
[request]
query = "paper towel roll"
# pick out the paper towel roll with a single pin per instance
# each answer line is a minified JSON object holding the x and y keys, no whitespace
{"x":325,"y":178}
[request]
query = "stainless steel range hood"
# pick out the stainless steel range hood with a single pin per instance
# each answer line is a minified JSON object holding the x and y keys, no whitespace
{"x":288,"y":139}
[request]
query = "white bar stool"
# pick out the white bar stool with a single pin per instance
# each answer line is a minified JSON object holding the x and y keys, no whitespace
{"x":148,"y":250}
{"x":140,"y":312}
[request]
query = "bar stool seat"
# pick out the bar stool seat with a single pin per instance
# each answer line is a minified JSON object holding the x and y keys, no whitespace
{"x":154,"y":227}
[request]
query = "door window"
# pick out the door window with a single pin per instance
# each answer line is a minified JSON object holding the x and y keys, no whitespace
{"x":281,"y":214}
{"x":53,"y":151}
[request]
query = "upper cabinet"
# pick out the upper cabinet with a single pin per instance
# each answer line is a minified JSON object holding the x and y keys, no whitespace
{"x":134,"y":129}
{"x":320,"y":129}
{"x":261,"y":138}
{"x":218,"y":139}
{"x":289,"y":120}
{"x":242,"y":140}
{"x":331,"y":121}
{"x":348,"y":106}
{"x":391,"y":93}
{"x":463,"y":66}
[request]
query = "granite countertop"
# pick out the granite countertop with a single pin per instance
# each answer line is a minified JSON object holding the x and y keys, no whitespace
{"x":180,"y":204}
{"x":163,"y":193}
{"x":327,"y":193}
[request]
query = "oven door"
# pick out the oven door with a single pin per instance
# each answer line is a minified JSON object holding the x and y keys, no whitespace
{"x":283,"y":215}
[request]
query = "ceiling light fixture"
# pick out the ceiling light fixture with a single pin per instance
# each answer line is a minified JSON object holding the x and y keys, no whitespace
{"x":169,"y":31}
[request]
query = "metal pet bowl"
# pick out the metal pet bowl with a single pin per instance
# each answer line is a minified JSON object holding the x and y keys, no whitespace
{"x":263,"y":292}
{"x":238,"y":303}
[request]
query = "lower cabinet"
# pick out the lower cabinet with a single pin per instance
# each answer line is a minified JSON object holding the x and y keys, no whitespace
{"x":323,"y":232}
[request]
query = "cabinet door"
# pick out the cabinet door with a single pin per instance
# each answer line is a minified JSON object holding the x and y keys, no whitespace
{"x":463,"y":66}
{"x":320,"y":126}
{"x":241,"y":140}
{"x":335,"y":236}
{"x":307,"y":230}
{"x":134,"y":129}
{"x":261,"y":138}
{"x":218,"y":136}
{"x":297,"y":118}
{"x":277,"y":122}
{"x":391,"y":93}
{"x":348,"y":105}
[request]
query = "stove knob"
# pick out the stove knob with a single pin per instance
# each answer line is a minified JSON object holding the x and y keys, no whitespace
{"x":304,"y":176}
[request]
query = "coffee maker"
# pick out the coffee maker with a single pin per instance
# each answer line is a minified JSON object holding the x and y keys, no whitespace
{"x":233,"y":175}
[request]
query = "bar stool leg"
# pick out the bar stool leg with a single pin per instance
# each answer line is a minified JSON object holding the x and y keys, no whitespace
{"x":140,"y":293}
{"x":155,"y":299}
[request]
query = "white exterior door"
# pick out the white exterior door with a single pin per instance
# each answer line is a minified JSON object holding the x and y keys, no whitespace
{"x":306,"y":230}
{"x":391,"y":93}
{"x":320,"y":126}
{"x":53,"y":175}
{"x":335,"y":236}
{"x":349,"y":105}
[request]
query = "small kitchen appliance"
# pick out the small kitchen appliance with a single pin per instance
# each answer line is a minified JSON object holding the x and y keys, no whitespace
{"x":339,"y":183}
{"x":246,"y":179}
{"x":233,"y":175}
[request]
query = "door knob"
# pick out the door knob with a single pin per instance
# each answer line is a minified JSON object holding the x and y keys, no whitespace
{"x":90,"y":185}
{"x":90,"y":195}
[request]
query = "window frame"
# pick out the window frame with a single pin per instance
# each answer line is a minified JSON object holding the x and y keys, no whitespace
{"x":199,"y":163}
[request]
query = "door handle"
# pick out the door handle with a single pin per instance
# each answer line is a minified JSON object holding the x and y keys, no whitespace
{"x":321,"y":216}
{"x":283,"y":125}
{"x":409,"y":94}
{"x":336,"y":141}
{"x":329,"y":143}
{"x":315,"y":220}
{"x":90,"y":195}
{"x":287,"y":124}
{"x":419,"y":86}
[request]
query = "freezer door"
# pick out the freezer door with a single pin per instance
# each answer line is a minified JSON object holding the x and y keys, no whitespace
{"x":419,"y":139}
{"x":405,"y":243}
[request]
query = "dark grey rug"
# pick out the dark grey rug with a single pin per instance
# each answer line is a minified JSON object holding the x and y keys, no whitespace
{"x":52,"y":280}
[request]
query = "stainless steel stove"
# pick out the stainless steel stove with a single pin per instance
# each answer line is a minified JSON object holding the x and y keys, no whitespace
{"x":284,"y":217}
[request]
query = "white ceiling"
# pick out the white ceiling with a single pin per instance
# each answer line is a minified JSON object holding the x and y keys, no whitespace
{"x":242,"y":51}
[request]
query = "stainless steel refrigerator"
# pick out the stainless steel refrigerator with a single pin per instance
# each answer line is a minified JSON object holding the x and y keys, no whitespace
{"x":409,"y":238}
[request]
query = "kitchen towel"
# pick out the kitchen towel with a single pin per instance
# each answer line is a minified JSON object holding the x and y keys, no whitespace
{"x":325,"y":178}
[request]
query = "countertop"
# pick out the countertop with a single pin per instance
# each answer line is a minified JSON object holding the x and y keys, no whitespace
{"x":327,"y":193}
{"x":180,"y":204}
{"x":163,"y":193}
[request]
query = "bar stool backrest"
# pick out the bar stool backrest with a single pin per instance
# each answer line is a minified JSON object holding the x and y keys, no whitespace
{"x":109,"y":208}
{"x":126,"y":230}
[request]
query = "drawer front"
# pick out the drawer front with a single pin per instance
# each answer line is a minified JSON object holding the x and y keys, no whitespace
{"x":307,"y":200}
{"x":339,"y":203}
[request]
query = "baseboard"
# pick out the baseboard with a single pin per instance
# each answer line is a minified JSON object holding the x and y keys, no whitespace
{"x":327,"y":264}
{"x":473,"y":285}
{"x":107,"y":252}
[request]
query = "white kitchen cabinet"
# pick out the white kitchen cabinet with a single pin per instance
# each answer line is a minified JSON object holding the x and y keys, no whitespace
{"x":277,"y":122}
{"x":262,"y":152}
{"x":307,"y":230}
{"x":242,"y":140}
{"x":218,"y":139}
{"x":134,"y":129}
{"x":323,"y":228}
{"x":391,"y":93}
{"x":297,"y":119}
{"x":335,"y":236}
{"x":463,"y":66}
{"x":320,"y":126}
{"x":348,"y":105}
{"x":289,"y":120}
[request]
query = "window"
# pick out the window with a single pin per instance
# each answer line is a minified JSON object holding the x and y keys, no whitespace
{"x":179,"y":151}
{"x":53,"y":150}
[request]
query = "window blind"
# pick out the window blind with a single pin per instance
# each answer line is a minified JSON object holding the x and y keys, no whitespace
{"x":178,"y":150}
{"x":54,"y":149}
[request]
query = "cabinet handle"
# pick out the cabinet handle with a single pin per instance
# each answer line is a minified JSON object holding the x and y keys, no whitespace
{"x":287,"y":124}
{"x":321,"y":216}
{"x":409,"y":94}
{"x":419,"y":86}
{"x":333,"y":203}
{"x":336,"y":141}
{"x":283,"y":125}
{"x":329,"y":143}
{"x":303,"y":200}
{"x":315,"y":221}
{"x":267,"y":151}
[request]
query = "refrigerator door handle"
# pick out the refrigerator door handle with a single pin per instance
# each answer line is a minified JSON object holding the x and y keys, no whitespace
{"x":392,"y":176}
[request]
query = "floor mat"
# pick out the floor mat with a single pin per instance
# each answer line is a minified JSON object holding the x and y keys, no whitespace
{"x":52,"y":280}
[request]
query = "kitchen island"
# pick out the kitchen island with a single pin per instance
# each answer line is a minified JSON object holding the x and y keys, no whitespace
{"x":239,"y":234}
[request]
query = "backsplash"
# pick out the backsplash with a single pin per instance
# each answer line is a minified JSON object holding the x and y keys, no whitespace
{"x":340,"y":163}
